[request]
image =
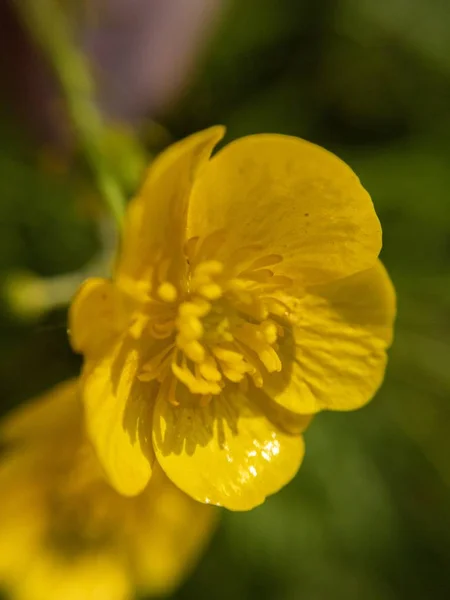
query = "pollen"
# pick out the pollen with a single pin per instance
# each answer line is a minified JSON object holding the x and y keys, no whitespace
{"x":218,"y":327}
{"x":167,"y":292}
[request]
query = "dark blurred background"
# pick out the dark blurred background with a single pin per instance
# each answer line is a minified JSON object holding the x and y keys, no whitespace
{"x":368,"y":515}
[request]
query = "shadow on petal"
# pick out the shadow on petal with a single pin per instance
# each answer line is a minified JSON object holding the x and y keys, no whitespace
{"x":227,"y":453}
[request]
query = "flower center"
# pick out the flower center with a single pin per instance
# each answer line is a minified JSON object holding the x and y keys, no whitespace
{"x":221,"y":324}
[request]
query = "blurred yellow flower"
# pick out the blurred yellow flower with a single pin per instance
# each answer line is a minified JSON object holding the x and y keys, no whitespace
{"x":246,"y":297}
{"x":65,"y":534}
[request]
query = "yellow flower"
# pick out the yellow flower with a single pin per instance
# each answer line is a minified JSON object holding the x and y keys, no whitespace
{"x":247,"y":295}
{"x":65,"y":534}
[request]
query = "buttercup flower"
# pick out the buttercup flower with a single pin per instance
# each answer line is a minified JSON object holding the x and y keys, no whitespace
{"x":247,"y":296}
{"x":65,"y":534}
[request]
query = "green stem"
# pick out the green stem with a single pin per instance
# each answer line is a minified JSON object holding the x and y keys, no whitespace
{"x":50,"y":27}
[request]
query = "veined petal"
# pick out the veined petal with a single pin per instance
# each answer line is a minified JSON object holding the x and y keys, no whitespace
{"x":291,"y":198}
{"x":337,"y":356}
{"x":96,"y":316}
{"x":157,"y":215}
{"x":227,"y":453}
{"x":119,"y":417}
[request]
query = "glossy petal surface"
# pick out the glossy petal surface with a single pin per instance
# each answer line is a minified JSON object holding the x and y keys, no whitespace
{"x":337,"y":356}
{"x":293,"y":199}
{"x":118,"y":418}
{"x":228,"y":453}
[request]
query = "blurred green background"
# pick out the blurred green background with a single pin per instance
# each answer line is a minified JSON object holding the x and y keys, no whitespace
{"x":368,"y":515}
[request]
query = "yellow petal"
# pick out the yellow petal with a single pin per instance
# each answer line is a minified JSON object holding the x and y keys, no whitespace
{"x":66,"y":534}
{"x":227,"y":453}
{"x":91,"y":577}
{"x":292,"y":198}
{"x":118,"y":418}
{"x":96,"y":316}
{"x":44,"y":417}
{"x":338,"y":355}
{"x":288,"y":421}
{"x":171,"y":531}
{"x":22,"y":518}
{"x":156,"y":217}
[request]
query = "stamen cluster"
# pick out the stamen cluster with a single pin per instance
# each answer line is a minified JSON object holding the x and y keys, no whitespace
{"x":220,"y":325}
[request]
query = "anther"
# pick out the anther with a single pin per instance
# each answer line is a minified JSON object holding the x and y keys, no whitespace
{"x":167,"y":292}
{"x":198,"y":308}
{"x":190,"y":327}
{"x":208,"y":267}
{"x":210,"y":291}
{"x":192,"y":350}
{"x":208,"y":369}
